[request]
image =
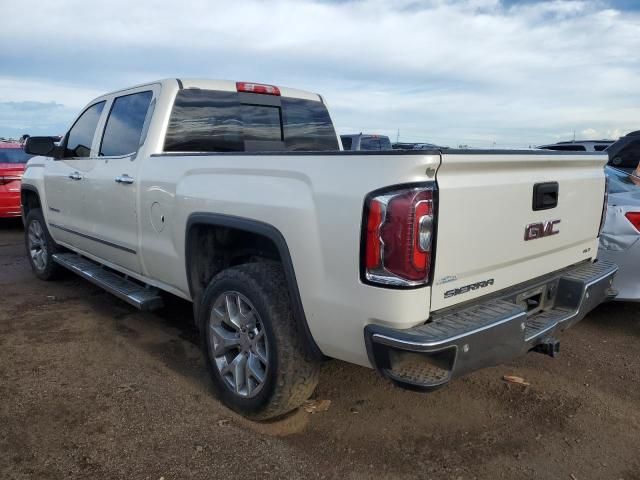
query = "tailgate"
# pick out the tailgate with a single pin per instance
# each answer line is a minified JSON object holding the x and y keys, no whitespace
{"x":486,"y":209}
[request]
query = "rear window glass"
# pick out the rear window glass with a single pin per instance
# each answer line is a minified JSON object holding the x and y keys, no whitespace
{"x":13,"y":155}
{"x":307,"y":126}
{"x":375,"y":143}
{"x":215,"y":121}
{"x":261,"y":123}
{"x":205,"y":121}
{"x":600,"y":148}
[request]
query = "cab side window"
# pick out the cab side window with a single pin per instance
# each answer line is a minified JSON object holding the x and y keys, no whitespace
{"x":125,"y":124}
{"x":80,"y":137}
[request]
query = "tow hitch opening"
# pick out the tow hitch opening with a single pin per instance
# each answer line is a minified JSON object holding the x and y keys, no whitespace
{"x":549,"y":347}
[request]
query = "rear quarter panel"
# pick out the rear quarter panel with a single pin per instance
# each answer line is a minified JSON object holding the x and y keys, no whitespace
{"x":316,"y":202}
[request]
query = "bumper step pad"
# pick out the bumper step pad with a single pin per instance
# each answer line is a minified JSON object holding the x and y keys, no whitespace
{"x":486,"y":333}
{"x":136,"y":294}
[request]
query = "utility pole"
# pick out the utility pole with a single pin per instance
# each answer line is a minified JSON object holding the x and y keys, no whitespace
{"x":398,"y":136}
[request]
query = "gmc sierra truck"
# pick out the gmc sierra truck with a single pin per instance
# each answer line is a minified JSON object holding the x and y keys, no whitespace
{"x":236,"y":196}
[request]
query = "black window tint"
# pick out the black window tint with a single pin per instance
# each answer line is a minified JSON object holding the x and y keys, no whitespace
{"x":80,"y":136}
{"x":261,"y":122}
{"x":600,"y":148}
{"x":215,"y":121}
{"x":567,"y":148}
{"x":125,"y":123}
{"x":13,"y":155}
{"x":346,"y":142}
{"x":205,"y":121}
{"x":307,"y":126}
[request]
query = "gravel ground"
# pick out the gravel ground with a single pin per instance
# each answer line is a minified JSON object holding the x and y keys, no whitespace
{"x":92,"y":388}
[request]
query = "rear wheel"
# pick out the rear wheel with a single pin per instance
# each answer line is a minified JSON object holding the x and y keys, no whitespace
{"x":40,"y":246}
{"x":255,"y":354}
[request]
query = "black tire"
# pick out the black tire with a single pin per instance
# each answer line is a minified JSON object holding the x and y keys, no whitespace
{"x":47,"y":269}
{"x":291,"y":375}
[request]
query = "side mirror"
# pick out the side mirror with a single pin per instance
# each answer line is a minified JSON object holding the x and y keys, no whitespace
{"x":44,"y":146}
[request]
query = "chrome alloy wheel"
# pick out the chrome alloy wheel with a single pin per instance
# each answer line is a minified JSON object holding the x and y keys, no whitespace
{"x":238,"y":344}
{"x":37,"y":245}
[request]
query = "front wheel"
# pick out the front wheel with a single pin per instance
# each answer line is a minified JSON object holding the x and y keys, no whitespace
{"x":254,"y":351}
{"x":40,"y":246}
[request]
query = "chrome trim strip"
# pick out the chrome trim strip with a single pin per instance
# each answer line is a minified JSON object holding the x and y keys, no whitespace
{"x":393,"y":341}
{"x":95,"y":239}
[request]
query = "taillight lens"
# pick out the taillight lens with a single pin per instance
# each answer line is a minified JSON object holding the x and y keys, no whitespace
{"x":249,"y":87}
{"x":634,"y":218}
{"x":399,"y":236}
{"x":603,"y":217}
{"x":8,"y":179}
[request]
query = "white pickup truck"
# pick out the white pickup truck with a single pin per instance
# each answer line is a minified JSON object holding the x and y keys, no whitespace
{"x":236,"y":196}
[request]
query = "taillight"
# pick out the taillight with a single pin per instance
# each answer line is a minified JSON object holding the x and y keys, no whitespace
{"x":8,"y":179}
{"x":603,"y":217}
{"x":249,"y":87}
{"x":634,"y":218}
{"x":399,"y":236}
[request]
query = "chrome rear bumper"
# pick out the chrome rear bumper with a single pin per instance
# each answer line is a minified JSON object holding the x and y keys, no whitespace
{"x":489,"y":332}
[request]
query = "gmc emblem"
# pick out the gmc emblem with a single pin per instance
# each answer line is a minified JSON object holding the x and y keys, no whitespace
{"x":534,"y":231}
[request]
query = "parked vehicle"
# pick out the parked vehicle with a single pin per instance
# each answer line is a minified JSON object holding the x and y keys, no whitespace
{"x":625,"y":153}
{"x":235,"y":196}
{"x":579,"y":146}
{"x":620,"y":238}
{"x":403,"y":145}
{"x":12,"y":163}
{"x":361,"y":141}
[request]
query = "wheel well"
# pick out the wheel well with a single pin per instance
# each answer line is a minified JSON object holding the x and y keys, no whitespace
{"x":29,"y":200}
{"x":213,"y":248}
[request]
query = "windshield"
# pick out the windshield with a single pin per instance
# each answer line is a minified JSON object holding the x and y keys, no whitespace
{"x":13,"y":155}
{"x":621,"y":181}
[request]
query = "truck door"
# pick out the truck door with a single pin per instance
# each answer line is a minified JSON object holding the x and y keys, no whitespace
{"x":112,"y":186}
{"x":64,"y":180}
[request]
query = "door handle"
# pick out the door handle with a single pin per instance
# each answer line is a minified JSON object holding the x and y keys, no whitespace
{"x":75,"y":176}
{"x":124,"y":178}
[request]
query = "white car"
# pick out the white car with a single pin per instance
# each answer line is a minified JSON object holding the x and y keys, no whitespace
{"x":424,"y":265}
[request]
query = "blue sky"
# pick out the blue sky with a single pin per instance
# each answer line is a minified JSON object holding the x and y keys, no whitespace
{"x":476,"y":72}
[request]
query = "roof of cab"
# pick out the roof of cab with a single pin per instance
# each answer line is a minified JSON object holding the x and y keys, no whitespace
{"x":224,"y":85}
{"x":230,"y":86}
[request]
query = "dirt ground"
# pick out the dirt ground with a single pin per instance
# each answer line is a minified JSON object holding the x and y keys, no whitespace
{"x":92,"y":388}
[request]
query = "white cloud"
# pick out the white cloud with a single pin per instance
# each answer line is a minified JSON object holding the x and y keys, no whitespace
{"x":471,"y":71}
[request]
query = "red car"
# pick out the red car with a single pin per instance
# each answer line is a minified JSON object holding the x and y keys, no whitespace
{"x":12,"y":163}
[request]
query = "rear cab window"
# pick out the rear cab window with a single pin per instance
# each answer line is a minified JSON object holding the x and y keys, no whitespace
{"x":219,"y":121}
{"x":123,"y":131}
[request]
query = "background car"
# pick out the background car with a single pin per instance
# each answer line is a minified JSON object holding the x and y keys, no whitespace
{"x":579,"y":146}
{"x":360,"y":141}
{"x":620,"y":237}
{"x":625,"y":153}
{"x":12,"y":164}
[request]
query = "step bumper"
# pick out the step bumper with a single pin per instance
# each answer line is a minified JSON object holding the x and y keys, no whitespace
{"x":489,"y":332}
